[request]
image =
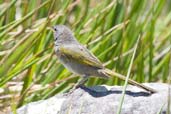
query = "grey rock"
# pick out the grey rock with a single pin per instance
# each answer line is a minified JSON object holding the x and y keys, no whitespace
{"x":103,"y":100}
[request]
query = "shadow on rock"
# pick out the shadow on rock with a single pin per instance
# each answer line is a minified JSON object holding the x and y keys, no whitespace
{"x":104,"y":92}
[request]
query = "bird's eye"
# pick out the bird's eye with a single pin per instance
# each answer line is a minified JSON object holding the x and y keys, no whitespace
{"x":55,"y":29}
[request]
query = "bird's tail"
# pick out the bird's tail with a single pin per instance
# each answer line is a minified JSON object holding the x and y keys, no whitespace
{"x":109,"y":73}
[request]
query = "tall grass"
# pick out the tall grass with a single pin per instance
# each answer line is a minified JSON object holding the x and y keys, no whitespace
{"x":29,"y":69}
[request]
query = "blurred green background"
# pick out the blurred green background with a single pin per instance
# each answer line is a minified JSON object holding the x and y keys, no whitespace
{"x":29,"y":69}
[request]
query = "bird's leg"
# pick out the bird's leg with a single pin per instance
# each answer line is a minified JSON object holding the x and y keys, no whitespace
{"x":80,"y":82}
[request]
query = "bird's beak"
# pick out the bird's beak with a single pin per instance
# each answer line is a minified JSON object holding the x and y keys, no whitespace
{"x":51,"y":28}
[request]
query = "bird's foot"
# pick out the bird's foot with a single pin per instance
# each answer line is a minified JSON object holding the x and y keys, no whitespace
{"x":76,"y":86}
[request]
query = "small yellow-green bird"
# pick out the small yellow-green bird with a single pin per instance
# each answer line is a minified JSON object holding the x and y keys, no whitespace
{"x":79,"y":60}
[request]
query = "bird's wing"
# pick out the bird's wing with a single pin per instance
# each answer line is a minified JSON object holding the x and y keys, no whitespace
{"x":80,"y":54}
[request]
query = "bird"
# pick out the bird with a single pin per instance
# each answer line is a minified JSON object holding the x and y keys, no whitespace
{"x":79,"y":60}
